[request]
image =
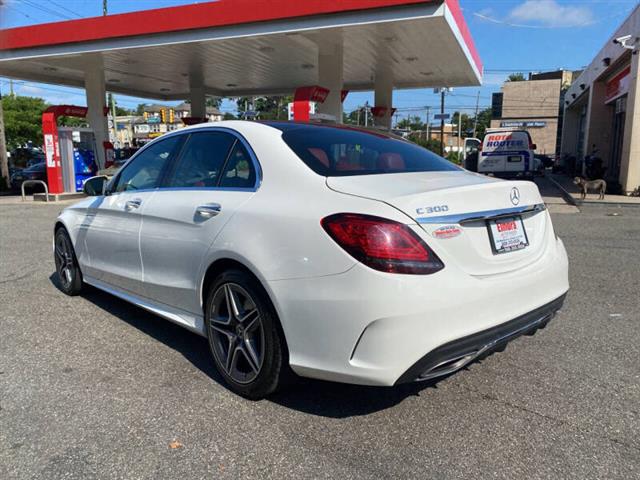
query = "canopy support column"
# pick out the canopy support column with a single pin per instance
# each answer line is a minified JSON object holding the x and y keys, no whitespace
{"x":94,"y":86}
{"x":197,"y":97}
{"x":383,"y":101}
{"x":331,"y":77}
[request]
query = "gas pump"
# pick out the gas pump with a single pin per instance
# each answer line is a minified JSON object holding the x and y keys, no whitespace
{"x":77,"y":156}
{"x":70,"y":151}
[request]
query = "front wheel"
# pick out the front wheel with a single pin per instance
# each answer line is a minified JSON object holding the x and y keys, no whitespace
{"x":67,"y":267}
{"x":244,"y":335}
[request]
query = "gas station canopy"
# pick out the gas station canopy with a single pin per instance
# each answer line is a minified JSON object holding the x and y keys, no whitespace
{"x":250,"y":47}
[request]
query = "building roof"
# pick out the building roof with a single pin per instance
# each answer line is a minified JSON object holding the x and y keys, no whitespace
{"x":186,"y":107}
{"x":250,"y":47}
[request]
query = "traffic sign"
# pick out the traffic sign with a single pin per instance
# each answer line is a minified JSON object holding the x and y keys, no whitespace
{"x":442,"y":116}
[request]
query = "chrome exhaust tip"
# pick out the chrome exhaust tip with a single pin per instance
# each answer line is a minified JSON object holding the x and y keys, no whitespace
{"x":458,"y":362}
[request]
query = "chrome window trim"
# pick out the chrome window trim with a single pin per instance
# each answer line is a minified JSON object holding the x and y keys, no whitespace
{"x":238,"y":137}
{"x":461,"y":218}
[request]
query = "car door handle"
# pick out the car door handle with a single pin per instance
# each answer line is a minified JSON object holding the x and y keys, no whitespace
{"x":132,"y":204}
{"x":209,"y":210}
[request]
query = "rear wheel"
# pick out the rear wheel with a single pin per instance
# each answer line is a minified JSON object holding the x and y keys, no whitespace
{"x":244,"y":336}
{"x":67,"y":267}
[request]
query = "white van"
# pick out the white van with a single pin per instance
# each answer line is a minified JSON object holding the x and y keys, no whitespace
{"x":507,"y":153}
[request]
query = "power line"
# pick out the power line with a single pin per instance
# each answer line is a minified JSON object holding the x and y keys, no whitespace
{"x":46,"y":9}
{"x":17,"y":10}
{"x":65,"y":8}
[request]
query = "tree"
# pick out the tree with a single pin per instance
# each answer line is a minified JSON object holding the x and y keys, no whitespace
{"x":467,"y":123}
{"x":72,"y":122}
{"x":123,"y":112}
{"x":23,"y":120}
{"x":228,"y":116}
{"x":430,"y":144}
{"x":140,"y":109}
{"x":213,"y":102}
{"x":350,"y":118}
{"x":268,"y":108}
{"x":516,"y":77}
{"x":411,"y":123}
{"x":484,"y":121}
{"x":4,"y":162}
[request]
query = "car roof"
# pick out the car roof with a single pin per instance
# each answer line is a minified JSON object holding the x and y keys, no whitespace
{"x":287,"y":126}
{"x":283,"y":126}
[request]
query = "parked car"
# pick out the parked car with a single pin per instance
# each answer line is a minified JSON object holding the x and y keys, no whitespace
{"x":14,"y":170}
{"x":341,"y":253}
{"x":508,"y":154}
{"x":25,"y":157}
{"x":547,"y":160}
{"x":35,"y":172}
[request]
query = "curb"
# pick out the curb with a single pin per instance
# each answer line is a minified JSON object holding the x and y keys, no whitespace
{"x":581,"y":203}
{"x":566,"y":195}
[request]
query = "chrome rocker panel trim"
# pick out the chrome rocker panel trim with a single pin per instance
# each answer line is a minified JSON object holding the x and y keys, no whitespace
{"x":194,"y":323}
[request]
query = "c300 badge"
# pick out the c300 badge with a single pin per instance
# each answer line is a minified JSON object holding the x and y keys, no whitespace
{"x":448,"y":231}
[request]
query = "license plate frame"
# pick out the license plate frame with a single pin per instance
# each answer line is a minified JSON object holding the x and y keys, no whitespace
{"x":510,"y":240}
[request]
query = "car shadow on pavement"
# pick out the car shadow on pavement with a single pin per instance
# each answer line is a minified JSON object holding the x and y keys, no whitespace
{"x":314,"y":397}
{"x":192,"y":346}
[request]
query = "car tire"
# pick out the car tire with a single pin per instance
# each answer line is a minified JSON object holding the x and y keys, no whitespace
{"x":244,"y":334}
{"x":67,"y":268}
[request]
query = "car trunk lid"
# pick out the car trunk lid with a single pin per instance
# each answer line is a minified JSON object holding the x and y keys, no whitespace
{"x":453,"y":210}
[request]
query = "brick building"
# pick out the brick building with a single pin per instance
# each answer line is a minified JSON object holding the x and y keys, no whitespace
{"x":534,"y":105}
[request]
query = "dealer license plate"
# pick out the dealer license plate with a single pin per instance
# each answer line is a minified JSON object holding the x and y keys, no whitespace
{"x":507,"y":234}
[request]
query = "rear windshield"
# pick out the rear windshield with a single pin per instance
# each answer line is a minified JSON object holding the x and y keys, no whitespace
{"x":341,"y":151}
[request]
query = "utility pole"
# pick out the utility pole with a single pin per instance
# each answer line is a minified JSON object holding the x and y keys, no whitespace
{"x":4,"y":162}
{"x":113,"y":115}
{"x":442,"y":92}
{"x":459,"y":132}
{"x":104,"y":7}
{"x":428,"y":124}
{"x":359,"y":110}
{"x":475,"y":121}
{"x":366,"y":113}
{"x":11,"y":87}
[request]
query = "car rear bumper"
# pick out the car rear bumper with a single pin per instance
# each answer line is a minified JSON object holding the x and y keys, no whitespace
{"x":373,"y":328}
{"x":457,"y":354}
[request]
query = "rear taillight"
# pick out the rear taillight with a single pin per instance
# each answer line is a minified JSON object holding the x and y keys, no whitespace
{"x":382,"y":244}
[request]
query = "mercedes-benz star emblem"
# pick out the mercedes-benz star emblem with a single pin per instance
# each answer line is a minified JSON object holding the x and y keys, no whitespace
{"x":515,"y":196}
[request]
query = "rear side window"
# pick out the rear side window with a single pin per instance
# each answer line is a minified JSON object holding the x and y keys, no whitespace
{"x":202,"y":160}
{"x":335,"y":152}
{"x":239,"y":171}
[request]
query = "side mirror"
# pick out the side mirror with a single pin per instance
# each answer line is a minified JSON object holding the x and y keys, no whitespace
{"x":534,"y":146}
{"x":95,"y":186}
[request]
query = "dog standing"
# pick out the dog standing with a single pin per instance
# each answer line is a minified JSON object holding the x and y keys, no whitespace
{"x":585,"y":185}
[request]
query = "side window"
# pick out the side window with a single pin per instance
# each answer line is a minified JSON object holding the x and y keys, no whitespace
{"x":145,"y":170}
{"x":202,"y":159}
{"x":239,"y":171}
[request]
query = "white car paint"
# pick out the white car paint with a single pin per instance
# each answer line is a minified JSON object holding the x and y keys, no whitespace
{"x":342,"y":320}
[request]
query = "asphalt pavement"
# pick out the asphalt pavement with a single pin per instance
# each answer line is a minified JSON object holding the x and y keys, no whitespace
{"x":92,"y":387}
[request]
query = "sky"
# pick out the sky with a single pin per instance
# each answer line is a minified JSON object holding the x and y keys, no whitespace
{"x":511,"y":36}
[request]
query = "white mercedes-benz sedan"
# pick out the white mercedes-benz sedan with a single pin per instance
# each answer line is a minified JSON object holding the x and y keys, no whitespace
{"x":334,"y":252}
